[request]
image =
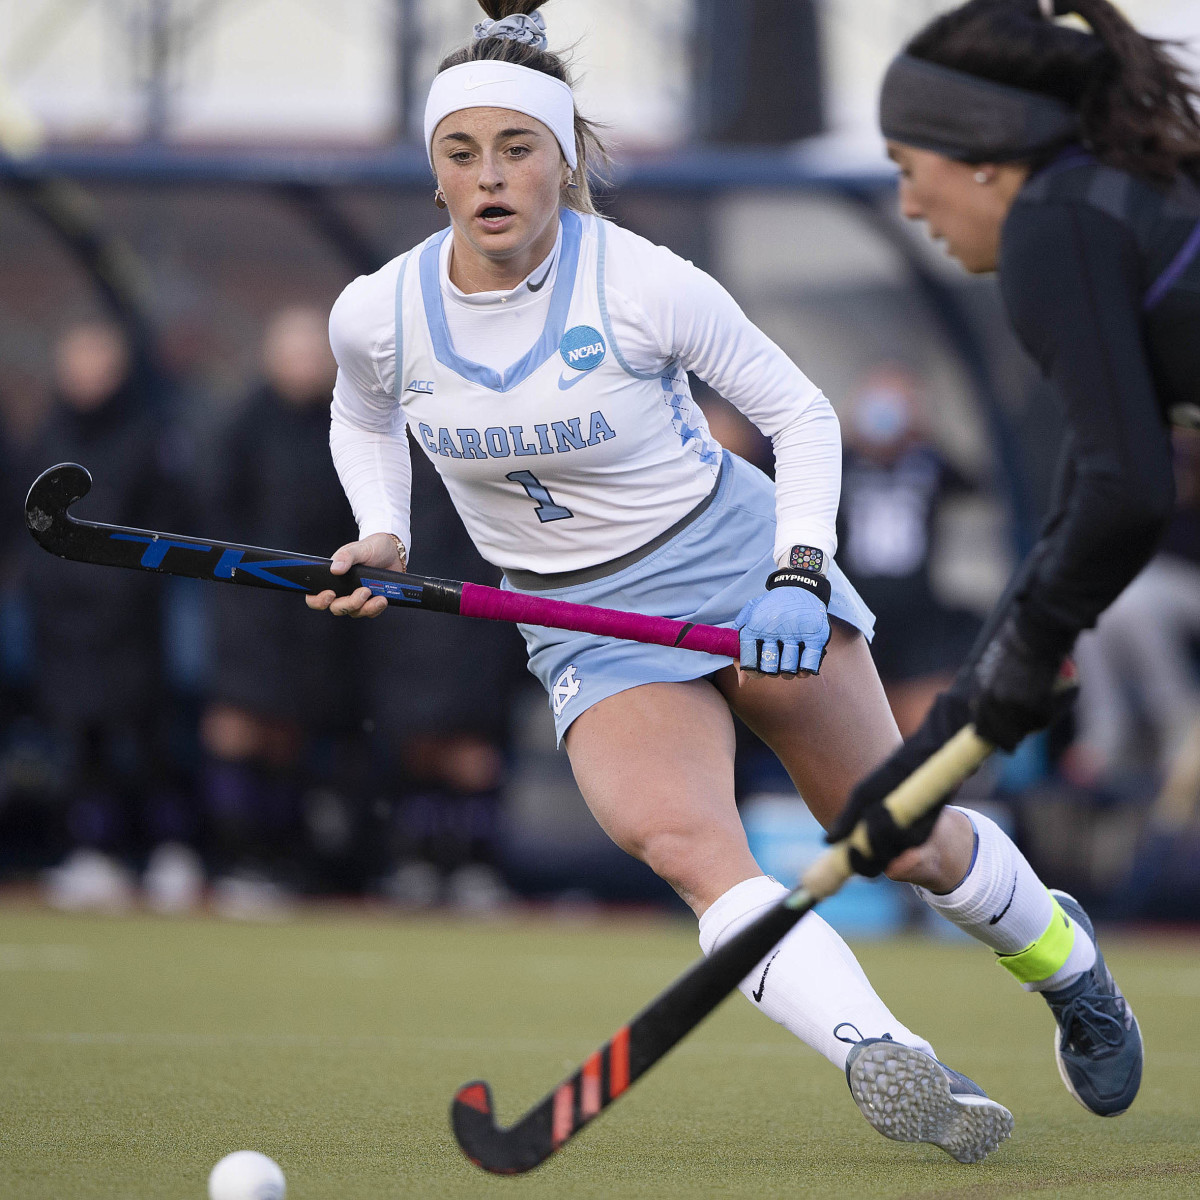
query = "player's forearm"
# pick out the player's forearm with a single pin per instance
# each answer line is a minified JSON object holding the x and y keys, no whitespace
{"x":699,"y":324}
{"x":376,"y":475}
{"x":1109,"y":529}
{"x":808,"y":480}
{"x":1071,"y":277}
{"x":754,"y":374}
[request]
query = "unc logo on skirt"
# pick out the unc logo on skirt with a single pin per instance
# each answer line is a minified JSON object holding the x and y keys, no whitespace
{"x":582,"y":348}
{"x":566,"y":687}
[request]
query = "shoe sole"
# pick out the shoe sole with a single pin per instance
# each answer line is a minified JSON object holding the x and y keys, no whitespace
{"x":1058,"y":1058}
{"x":905,"y":1095}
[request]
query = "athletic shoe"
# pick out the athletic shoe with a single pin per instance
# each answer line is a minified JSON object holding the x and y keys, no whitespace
{"x":413,"y":885}
{"x":1098,"y":1045}
{"x":173,"y":882}
{"x":909,"y":1096}
{"x":248,"y":896}
{"x":89,"y":881}
{"x":477,"y":888}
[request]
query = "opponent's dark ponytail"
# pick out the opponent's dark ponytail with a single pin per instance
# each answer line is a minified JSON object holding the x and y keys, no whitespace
{"x":1136,"y":107}
{"x":590,"y":149}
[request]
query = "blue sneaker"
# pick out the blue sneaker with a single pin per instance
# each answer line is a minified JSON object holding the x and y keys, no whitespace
{"x":1098,"y":1044}
{"x":909,"y":1096}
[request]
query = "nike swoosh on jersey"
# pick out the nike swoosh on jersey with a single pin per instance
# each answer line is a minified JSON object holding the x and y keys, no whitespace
{"x":537,"y":287}
{"x":564,"y":383}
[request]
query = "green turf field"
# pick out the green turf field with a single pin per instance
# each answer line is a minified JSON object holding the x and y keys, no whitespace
{"x":136,"y":1052}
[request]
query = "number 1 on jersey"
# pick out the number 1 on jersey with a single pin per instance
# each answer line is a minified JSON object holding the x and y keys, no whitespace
{"x":546,"y":509}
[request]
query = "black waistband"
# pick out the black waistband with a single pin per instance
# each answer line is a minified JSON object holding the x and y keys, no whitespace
{"x":531,"y":581}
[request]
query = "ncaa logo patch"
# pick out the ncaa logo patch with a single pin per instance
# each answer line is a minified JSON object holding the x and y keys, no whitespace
{"x":582,"y":348}
{"x":566,"y":687}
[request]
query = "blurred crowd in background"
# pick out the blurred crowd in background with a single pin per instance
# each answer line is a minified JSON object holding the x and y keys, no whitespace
{"x":181,"y":733}
{"x":188,"y":740}
{"x":177,"y":215}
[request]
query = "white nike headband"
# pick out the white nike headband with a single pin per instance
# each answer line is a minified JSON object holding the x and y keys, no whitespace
{"x":490,"y":83}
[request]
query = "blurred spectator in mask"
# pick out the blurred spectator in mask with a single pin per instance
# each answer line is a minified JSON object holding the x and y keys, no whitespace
{"x":894,"y":482}
{"x":284,"y":689}
{"x":97,"y":633}
{"x":1138,"y":667}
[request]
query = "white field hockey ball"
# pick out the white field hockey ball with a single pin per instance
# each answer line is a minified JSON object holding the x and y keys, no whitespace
{"x":246,"y":1175}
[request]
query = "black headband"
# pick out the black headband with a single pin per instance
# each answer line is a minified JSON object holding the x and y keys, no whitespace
{"x":932,"y":107}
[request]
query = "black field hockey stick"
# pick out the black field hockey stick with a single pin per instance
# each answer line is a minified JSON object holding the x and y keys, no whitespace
{"x":55,"y":490}
{"x":637,"y":1046}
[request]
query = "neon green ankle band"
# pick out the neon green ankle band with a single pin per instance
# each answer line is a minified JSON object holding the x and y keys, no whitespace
{"x":1047,"y":954}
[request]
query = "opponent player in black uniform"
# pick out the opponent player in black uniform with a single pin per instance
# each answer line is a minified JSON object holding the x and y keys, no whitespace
{"x":1067,"y":160}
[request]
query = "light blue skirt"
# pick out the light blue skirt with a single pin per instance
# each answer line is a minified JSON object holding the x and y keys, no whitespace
{"x":704,"y":574}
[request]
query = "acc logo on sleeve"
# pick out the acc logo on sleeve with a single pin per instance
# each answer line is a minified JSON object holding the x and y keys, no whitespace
{"x":582,"y":348}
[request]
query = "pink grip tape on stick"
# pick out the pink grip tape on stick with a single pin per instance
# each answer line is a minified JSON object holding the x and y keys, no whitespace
{"x":496,"y":605}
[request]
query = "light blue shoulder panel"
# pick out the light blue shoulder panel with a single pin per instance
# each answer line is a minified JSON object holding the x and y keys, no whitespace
{"x":398,"y":382}
{"x":602,"y":298}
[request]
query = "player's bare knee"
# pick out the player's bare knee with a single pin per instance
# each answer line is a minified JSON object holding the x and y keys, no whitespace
{"x":913,"y":866}
{"x":675,"y":855}
{"x":941,"y":861}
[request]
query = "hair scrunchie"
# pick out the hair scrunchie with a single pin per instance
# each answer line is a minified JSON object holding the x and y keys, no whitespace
{"x":528,"y":28}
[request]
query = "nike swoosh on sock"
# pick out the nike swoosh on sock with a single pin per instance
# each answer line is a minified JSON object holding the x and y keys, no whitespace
{"x":762,"y":983}
{"x":993,"y":920}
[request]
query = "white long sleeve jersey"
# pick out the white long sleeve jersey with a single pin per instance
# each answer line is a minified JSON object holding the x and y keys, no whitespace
{"x":559,"y":414}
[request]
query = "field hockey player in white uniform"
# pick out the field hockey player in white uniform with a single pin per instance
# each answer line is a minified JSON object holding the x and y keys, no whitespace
{"x":538,"y":354}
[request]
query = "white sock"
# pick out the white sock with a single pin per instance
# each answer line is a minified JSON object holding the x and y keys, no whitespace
{"x":811,"y":983}
{"x":1003,"y":903}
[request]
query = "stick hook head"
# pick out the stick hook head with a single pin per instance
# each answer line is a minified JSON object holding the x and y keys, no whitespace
{"x":53,"y":492}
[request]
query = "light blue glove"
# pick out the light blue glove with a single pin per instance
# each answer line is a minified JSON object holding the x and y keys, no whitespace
{"x":784,"y":632}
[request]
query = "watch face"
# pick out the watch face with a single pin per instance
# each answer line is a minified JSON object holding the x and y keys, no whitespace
{"x":806,"y":558}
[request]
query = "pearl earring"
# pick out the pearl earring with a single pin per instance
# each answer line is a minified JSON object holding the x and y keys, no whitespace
{"x":982,"y":177}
